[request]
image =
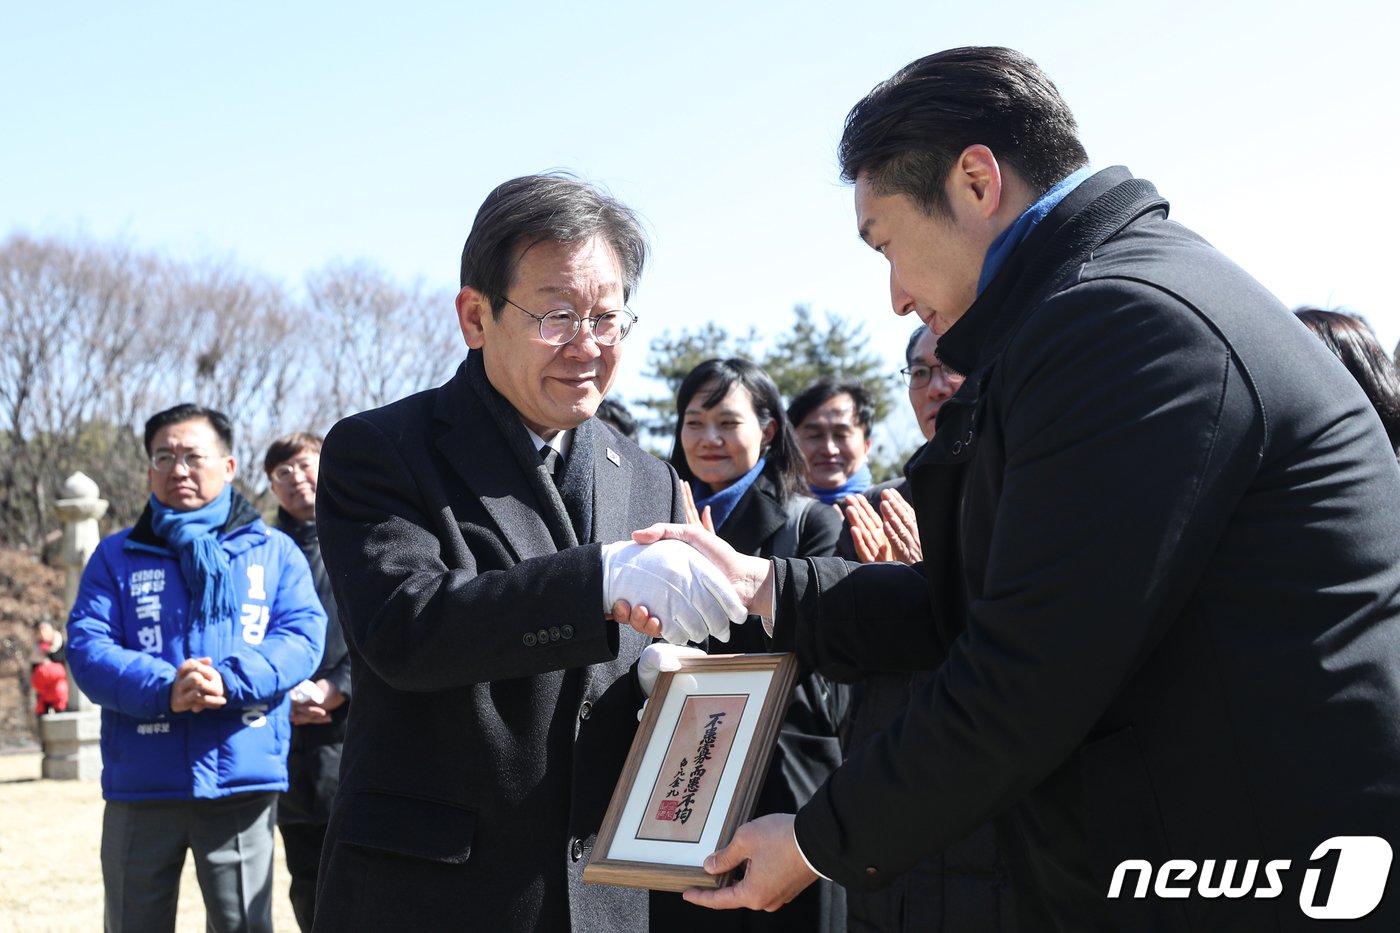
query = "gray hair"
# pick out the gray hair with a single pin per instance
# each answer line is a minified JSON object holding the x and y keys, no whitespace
{"x":537,"y":208}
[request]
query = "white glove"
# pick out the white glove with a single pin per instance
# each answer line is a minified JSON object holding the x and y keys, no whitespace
{"x":686,"y":592}
{"x":308,"y":690}
{"x":658,"y":657}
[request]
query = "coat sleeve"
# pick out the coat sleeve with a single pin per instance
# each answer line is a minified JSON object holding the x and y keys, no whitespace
{"x":820,"y":531}
{"x":817,"y":602}
{"x":113,"y":675}
{"x":1130,"y":432}
{"x":296,"y":635}
{"x":412,"y":597}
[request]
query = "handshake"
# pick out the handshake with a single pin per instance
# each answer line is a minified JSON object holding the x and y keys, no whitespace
{"x":681,"y":583}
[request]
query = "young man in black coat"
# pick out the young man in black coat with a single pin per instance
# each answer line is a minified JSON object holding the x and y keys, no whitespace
{"x":466,"y":530}
{"x":1161,"y":578}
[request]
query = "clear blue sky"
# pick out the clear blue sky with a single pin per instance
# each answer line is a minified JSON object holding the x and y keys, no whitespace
{"x":289,"y":135}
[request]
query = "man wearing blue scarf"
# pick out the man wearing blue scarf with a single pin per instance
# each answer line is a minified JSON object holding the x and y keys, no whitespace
{"x":832,"y":421}
{"x":188,"y":630}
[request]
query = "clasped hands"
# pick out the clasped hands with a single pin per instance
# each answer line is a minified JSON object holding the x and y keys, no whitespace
{"x":682,"y":583}
{"x":197,"y":687}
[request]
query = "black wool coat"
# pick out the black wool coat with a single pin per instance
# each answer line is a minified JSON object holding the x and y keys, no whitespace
{"x":963,"y":887}
{"x":494,"y":703}
{"x":1162,"y":559}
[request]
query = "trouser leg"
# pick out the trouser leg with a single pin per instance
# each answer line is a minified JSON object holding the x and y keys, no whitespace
{"x":143,"y":852}
{"x":233,"y":845}
{"x":302,"y":844}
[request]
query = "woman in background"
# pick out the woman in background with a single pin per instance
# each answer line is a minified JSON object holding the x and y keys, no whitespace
{"x":735,"y":447}
{"x":1354,"y":343}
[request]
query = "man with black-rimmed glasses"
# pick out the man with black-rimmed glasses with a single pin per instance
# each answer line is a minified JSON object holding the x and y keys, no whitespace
{"x":189,"y":630}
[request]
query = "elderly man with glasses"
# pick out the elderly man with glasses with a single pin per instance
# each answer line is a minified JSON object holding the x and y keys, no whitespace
{"x":475,"y":535}
{"x":189,"y":630}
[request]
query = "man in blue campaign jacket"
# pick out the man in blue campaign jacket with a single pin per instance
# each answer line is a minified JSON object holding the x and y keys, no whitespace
{"x":188,"y":630}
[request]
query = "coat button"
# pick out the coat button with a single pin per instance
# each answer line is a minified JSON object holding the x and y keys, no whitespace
{"x":957,"y":447}
{"x":566,"y":631}
{"x":576,"y":850}
{"x":871,"y":870}
{"x":542,"y":635}
{"x":585,"y":710}
{"x":554,"y":633}
{"x":529,"y":639}
{"x":968,"y":440}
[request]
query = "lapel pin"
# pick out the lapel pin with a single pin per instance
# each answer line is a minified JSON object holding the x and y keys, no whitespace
{"x":612,"y":455}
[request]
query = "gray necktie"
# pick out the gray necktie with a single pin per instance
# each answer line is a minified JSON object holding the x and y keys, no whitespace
{"x":554,"y":465}
{"x":551,"y":459}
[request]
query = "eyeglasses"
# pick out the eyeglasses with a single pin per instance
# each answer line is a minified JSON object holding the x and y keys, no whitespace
{"x":286,"y":471}
{"x":165,"y":461}
{"x":918,"y":376}
{"x":561,"y":326}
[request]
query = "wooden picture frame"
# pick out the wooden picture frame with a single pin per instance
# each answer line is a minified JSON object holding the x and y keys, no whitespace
{"x":693,"y":775}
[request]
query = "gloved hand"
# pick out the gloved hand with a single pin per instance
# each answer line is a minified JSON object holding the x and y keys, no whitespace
{"x":308,"y":692}
{"x":657,"y":657}
{"x":660,"y":656}
{"x":680,"y":587}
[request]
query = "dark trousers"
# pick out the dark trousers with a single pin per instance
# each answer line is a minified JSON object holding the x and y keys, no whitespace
{"x":302,"y":844}
{"x":143,"y":854}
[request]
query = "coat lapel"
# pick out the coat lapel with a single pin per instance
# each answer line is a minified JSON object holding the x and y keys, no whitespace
{"x":612,"y":487}
{"x":474,"y":445}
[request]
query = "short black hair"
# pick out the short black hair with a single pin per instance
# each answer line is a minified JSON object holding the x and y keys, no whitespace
{"x":784,"y":461}
{"x":822,"y":391}
{"x":1353,"y":342}
{"x":188,"y":411}
{"x":288,"y":446}
{"x":537,"y":208}
{"x":616,"y":414}
{"x":914,"y":339}
{"x":906,"y":134}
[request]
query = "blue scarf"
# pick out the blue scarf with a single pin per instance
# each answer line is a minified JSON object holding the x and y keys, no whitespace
{"x":722,"y":503}
{"x":194,"y":536}
{"x":1013,"y":236}
{"x":859,"y":482}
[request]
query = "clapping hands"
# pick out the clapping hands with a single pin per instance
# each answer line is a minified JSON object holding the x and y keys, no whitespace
{"x":892,"y":534}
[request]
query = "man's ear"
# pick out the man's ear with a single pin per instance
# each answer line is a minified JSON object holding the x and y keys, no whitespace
{"x":473,"y":308}
{"x":976,"y":182}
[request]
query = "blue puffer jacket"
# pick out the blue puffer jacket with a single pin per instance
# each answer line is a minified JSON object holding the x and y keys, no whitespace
{"x":128,"y":633}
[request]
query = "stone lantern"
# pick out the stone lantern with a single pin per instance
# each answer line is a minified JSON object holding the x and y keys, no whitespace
{"x":71,"y":738}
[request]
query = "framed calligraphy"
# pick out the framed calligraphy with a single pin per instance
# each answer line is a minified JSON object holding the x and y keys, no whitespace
{"x":694,"y":771}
